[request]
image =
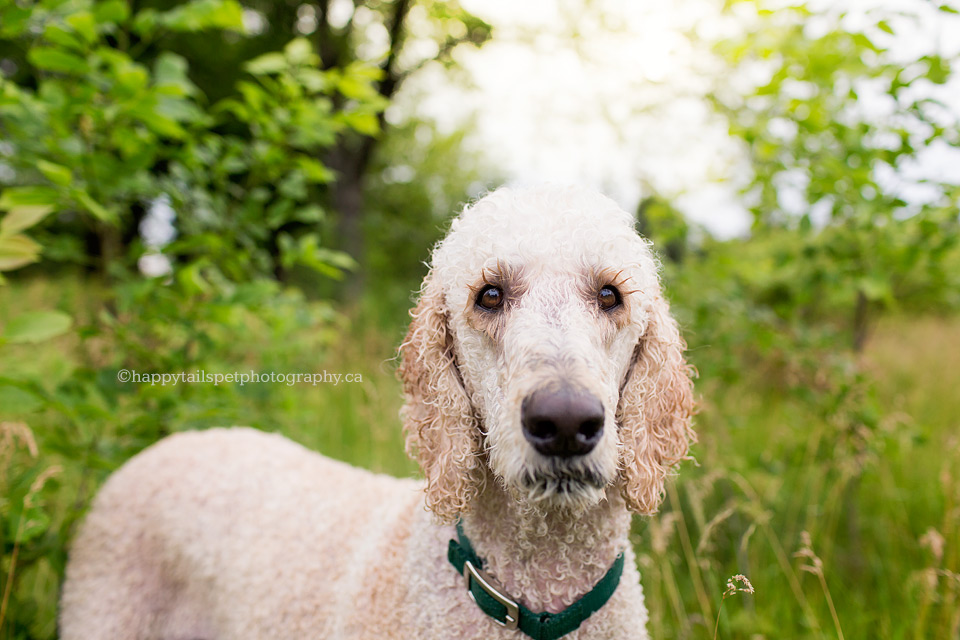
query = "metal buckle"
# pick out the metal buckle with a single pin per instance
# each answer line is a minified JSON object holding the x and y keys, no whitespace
{"x":512,"y":618}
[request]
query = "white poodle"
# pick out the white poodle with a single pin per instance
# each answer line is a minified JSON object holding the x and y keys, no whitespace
{"x":546,"y":398}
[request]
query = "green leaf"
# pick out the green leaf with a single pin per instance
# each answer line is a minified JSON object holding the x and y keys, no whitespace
{"x":55,"y":173}
{"x":299,"y":51}
{"x":314,"y":80}
{"x":112,"y":12}
{"x":16,"y":251}
{"x":23,"y":217}
{"x":179,"y":110}
{"x":131,"y":80}
{"x":310,"y":214}
{"x":266,"y":64}
{"x":84,"y":24}
{"x":33,"y":195}
{"x":293,"y":186}
{"x":51,"y":59}
{"x":364,"y":71}
{"x":314,"y":170}
{"x":885,"y":27}
{"x":18,"y":400}
{"x":63,"y":37}
{"x":36,"y":326}
{"x":192,"y":280}
{"x":939,"y":69}
{"x":362,"y":122}
{"x":13,"y":20}
{"x":875,"y":288}
{"x":146,"y":22}
{"x":163,"y":125}
{"x":205,"y":14}
{"x":170,"y":70}
{"x":97,"y":210}
{"x":35,"y":524}
{"x":338,"y":259}
{"x":355,"y":88}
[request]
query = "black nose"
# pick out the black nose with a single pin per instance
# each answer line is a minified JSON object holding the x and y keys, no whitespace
{"x":563,"y":422}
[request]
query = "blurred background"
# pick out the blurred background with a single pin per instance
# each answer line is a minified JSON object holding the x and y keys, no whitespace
{"x":217,"y":186}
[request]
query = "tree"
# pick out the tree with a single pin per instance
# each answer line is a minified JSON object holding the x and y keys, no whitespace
{"x":660,"y":222}
{"x":829,"y":170}
{"x":448,"y":26}
{"x":104,"y":132}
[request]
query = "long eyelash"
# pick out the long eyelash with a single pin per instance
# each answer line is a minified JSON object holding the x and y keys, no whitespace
{"x":608,"y":277}
{"x":493,"y":278}
{"x":619,"y":281}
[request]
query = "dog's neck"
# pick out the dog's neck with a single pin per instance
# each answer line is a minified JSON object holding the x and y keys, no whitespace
{"x":546,"y":559}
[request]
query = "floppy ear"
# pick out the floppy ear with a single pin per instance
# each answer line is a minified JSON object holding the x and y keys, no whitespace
{"x":441,"y":428}
{"x":656,"y":406}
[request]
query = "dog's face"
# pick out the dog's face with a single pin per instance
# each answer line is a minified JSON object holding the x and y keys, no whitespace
{"x":550,"y":302}
{"x":546,"y":301}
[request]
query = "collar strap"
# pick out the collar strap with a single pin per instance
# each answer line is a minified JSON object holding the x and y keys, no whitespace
{"x":511,"y":614}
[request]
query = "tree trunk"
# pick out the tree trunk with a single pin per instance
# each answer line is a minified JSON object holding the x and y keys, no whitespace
{"x":351,"y":158}
{"x":109,"y":239}
{"x":348,"y":201}
{"x":860,"y":318}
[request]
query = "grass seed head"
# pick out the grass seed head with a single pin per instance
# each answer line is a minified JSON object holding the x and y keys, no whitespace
{"x":737,"y":584}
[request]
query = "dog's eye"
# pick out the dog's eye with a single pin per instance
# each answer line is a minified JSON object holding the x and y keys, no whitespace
{"x":609,"y":298}
{"x":490,"y":297}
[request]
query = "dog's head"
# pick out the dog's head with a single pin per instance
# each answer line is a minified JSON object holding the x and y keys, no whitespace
{"x":542,"y":348}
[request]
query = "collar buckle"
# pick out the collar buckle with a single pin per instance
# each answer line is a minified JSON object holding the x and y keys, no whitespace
{"x":512,"y":617}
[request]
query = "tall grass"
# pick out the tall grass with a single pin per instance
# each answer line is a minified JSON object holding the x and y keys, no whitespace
{"x":855,"y":542}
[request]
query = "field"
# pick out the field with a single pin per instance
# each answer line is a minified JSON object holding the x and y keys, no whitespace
{"x":842,"y":532}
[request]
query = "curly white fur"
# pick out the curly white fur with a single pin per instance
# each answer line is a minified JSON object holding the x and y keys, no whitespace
{"x":234,"y":533}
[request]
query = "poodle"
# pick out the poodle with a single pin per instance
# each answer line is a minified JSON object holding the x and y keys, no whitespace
{"x":546,"y":398}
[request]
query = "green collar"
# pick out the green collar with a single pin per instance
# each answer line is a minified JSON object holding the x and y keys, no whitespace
{"x":513,"y":615}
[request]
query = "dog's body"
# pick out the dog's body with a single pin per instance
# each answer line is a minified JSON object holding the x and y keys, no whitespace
{"x":546,"y":398}
{"x":232,"y":538}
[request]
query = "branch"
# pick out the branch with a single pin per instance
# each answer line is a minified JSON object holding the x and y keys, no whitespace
{"x":443,"y":54}
{"x":390,"y":82}
{"x":391,"y":77}
{"x":333,"y":48}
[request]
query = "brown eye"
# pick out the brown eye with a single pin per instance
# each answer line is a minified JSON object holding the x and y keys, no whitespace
{"x":609,"y":298}
{"x":490,"y":298}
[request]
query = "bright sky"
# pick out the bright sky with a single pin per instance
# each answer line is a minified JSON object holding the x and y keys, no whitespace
{"x":612,"y":97}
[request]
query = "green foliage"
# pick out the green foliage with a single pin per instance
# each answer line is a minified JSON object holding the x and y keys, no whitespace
{"x":269,"y":179}
{"x":98,"y":120}
{"x":802,"y":453}
{"x":95,"y":135}
{"x":35,"y":326}
{"x":104,"y":134}
{"x":826,"y":169}
{"x":774,"y":464}
{"x":420,"y":178}
{"x":87,"y":418}
{"x":25,"y":520}
{"x":661,"y":223}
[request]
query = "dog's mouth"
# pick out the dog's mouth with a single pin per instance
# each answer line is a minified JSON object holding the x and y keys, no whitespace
{"x":557,"y":480}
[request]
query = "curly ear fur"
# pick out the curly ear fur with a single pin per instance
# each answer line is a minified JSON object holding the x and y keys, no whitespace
{"x":656,"y":406}
{"x":442,"y":432}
